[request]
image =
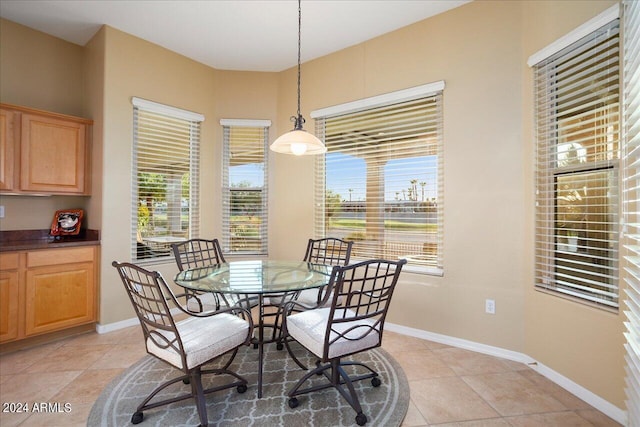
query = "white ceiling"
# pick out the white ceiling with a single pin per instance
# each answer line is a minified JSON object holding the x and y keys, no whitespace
{"x":250,"y":35}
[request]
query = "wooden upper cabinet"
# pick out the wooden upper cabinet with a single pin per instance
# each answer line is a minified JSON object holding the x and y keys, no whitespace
{"x":51,"y":152}
{"x":7,"y":149}
{"x":53,"y":155}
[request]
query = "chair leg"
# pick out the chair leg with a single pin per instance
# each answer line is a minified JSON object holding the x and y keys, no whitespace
{"x":139,"y":414}
{"x":144,"y":405}
{"x":371,"y":374}
{"x":282,"y":333}
{"x":240,"y":383}
{"x":198,"y":396}
{"x":293,"y":356}
{"x":197,"y":393}
{"x":351,"y":397}
{"x":321,"y":369}
{"x":230,"y":361}
{"x":337,"y":378}
{"x":277,"y":328}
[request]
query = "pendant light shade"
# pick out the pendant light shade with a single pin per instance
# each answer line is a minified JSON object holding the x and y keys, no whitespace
{"x":298,"y":141}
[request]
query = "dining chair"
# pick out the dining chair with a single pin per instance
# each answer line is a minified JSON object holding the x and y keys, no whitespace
{"x":187,"y":344}
{"x":327,"y":251}
{"x":198,"y":253}
{"x":346,"y":329}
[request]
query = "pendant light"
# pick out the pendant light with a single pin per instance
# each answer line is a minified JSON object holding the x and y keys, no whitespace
{"x":298,"y":141}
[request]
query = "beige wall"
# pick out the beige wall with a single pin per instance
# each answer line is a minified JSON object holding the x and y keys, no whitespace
{"x":94,"y":70}
{"x":40,"y":71}
{"x":480,"y":51}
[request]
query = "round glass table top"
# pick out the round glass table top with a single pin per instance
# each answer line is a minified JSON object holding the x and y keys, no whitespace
{"x":256,"y":277}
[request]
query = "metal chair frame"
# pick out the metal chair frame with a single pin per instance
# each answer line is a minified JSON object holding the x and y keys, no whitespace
{"x":196,"y":253}
{"x":361,"y":296}
{"x":149,"y":295}
{"x":326,"y":251}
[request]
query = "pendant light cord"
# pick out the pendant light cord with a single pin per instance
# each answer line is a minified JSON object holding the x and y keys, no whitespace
{"x":299,"y":120}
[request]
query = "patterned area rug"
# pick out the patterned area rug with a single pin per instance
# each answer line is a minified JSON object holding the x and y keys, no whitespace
{"x":384,"y":406}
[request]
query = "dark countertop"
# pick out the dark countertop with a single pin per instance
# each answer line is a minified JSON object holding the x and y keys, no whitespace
{"x":20,"y":240}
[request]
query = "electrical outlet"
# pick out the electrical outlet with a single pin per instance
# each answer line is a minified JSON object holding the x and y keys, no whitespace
{"x":490,"y":306}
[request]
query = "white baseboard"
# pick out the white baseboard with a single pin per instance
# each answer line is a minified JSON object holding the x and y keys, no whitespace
{"x":592,"y":399}
{"x":110,"y":327}
{"x":577,"y":390}
{"x":460,"y":343}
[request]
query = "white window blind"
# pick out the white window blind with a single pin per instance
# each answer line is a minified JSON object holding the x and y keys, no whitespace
{"x":245,"y":171}
{"x":577,"y":168}
{"x":165,"y":189}
{"x":380,"y":182}
{"x":631,"y":137}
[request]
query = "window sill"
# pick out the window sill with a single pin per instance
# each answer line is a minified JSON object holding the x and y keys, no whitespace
{"x":415,"y":269}
{"x":427,"y":271}
{"x":584,"y":302}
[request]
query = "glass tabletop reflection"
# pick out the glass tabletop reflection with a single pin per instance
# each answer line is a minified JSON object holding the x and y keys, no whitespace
{"x":256,"y":277}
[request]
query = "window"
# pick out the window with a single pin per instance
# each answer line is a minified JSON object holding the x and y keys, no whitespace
{"x":165,"y":178}
{"x":577,"y":166}
{"x":380,"y":182}
{"x":244,"y":186}
{"x":631,"y":204}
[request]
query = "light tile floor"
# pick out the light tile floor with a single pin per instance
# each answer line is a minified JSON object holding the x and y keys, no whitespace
{"x":449,"y":386}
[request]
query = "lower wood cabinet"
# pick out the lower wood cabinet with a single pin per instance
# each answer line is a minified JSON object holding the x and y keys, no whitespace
{"x":49,"y":290}
{"x":9,"y":297}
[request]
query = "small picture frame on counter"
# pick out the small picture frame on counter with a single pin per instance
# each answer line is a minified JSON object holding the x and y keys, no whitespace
{"x":67,"y":222}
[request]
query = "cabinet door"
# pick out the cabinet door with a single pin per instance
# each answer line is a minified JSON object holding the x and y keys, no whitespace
{"x":8,"y":305}
{"x":59,"y":296}
{"x":53,"y":155}
{"x":7,"y":149}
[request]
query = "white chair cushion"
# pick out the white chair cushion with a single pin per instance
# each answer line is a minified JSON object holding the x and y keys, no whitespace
{"x":309,"y":329}
{"x":203,"y":338}
{"x":309,"y":297}
{"x":207,"y":300}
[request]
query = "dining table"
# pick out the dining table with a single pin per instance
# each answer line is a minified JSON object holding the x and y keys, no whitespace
{"x":265,"y":281}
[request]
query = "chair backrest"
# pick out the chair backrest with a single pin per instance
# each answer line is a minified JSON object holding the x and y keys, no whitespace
{"x":148,"y":293}
{"x":196,"y":253}
{"x":328,"y":251}
{"x":361,"y":296}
